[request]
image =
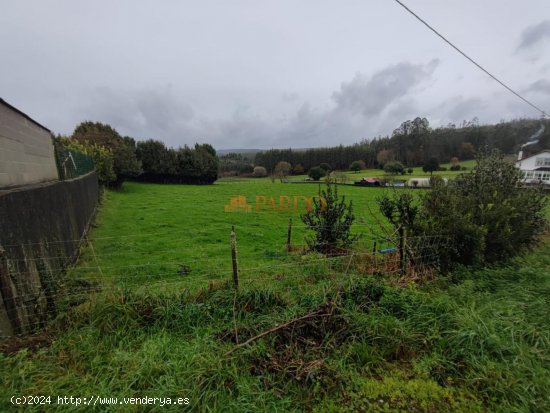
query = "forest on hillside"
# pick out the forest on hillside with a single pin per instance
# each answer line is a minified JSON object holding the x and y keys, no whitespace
{"x":412,"y":143}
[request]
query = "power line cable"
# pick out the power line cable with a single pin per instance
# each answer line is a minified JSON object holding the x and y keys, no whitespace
{"x":472,"y":60}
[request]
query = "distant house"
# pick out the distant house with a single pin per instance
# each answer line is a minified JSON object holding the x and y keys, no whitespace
{"x":535,"y":168}
{"x":370,"y":182}
{"x":26,"y":149}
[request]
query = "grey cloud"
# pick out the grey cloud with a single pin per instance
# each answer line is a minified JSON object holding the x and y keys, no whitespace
{"x":370,"y":96}
{"x":356,"y":114}
{"x":220,"y":57}
{"x":540,"y":86}
{"x":404,"y":109}
{"x":534,"y":34}
{"x":154,"y":113}
{"x":356,"y":108}
{"x":290,"y":97}
{"x":465,"y":109}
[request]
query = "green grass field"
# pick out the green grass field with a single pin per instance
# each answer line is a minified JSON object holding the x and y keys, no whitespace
{"x":146,"y":233}
{"x":475,"y":340}
{"x":417,"y":172}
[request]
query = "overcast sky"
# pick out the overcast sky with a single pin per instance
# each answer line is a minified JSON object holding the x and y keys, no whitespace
{"x":270,"y":73}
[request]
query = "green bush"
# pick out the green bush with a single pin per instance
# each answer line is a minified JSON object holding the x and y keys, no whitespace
{"x":487,"y":215}
{"x":356,"y":166}
{"x":431,"y":165}
{"x":316,"y":173}
{"x":102,"y":157}
{"x":125,"y":163}
{"x":394,"y":167}
{"x":330,"y":220}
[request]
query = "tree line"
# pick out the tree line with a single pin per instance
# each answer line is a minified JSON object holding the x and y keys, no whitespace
{"x":413,"y":143}
{"x":119,"y":158}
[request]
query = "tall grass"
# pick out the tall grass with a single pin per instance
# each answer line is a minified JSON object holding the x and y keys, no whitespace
{"x":479,"y":343}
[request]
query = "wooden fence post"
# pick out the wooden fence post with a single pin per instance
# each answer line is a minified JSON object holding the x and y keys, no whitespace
{"x":403,"y":249}
{"x":234,"y":261}
{"x":374,"y":258}
{"x":289,"y":236}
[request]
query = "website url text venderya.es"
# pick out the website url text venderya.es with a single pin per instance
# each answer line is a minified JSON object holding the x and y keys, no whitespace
{"x":98,"y":400}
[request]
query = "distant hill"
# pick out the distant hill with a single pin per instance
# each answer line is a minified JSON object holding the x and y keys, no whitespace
{"x":222,"y":152}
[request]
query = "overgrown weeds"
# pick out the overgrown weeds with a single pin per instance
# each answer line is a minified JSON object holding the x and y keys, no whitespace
{"x":479,"y":343}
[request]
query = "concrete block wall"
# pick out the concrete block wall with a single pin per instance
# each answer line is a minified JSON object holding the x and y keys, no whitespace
{"x":41,"y":227}
{"x":26,"y":150}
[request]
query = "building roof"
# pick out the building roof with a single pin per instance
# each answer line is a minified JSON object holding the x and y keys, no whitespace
{"x":535,"y":154}
{"x":2,"y":101}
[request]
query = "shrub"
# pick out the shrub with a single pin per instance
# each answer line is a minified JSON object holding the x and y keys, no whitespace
{"x":487,"y":215}
{"x":325,"y":167}
{"x":330,"y":221}
{"x":431,"y":165}
{"x":455,"y":168}
{"x":282,"y":170}
{"x":400,"y":209}
{"x":356,"y":166}
{"x":436,"y":180}
{"x":316,"y":173}
{"x":259,"y":172}
{"x":102,"y":157}
{"x":410,"y":171}
{"x":298,"y":169}
{"x":394,"y":167}
{"x":125,"y":163}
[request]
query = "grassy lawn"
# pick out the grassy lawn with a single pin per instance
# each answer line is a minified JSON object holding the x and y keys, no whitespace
{"x":148,"y":234}
{"x":471,"y":341}
{"x":417,"y":172}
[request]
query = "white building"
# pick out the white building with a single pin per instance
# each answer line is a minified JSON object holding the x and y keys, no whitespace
{"x":536,"y":167}
{"x":422,"y":182}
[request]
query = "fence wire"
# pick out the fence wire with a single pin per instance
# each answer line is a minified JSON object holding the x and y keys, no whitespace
{"x":32,"y":303}
{"x":72,"y":164}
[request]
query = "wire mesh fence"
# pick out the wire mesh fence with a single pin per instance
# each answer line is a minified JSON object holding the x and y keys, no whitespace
{"x":72,"y":164}
{"x":184,"y":265}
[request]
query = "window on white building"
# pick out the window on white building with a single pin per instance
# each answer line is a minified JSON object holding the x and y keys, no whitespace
{"x":542,"y":162}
